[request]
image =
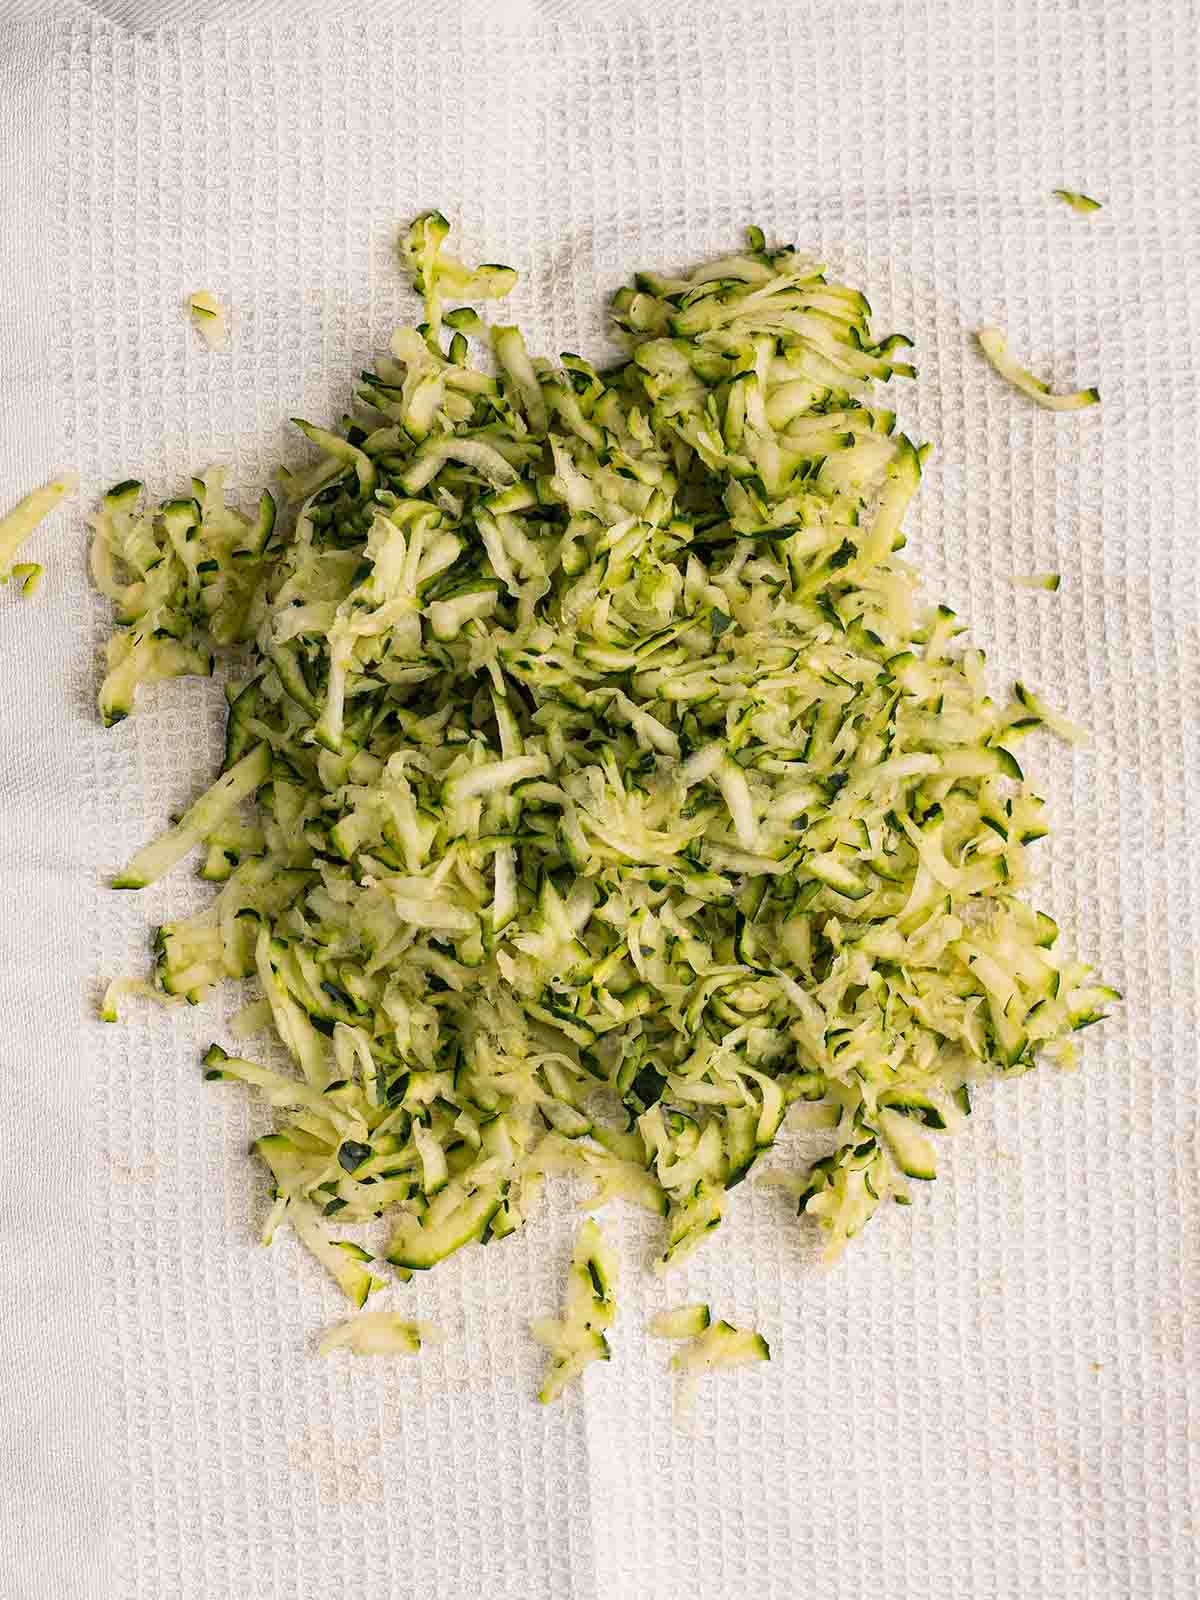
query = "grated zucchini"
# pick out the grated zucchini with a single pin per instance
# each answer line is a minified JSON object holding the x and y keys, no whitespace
{"x":716,"y":1346}
{"x":995,"y":347}
{"x":720,"y":1345}
{"x":1082,"y":203}
{"x":208,"y":315}
{"x":577,"y":1339}
{"x":615,"y":796}
{"x":29,"y":575}
{"x":183,"y":582}
{"x":20,"y":522}
{"x":684,"y":1322}
{"x":379,"y":1333}
{"x":121,"y":988}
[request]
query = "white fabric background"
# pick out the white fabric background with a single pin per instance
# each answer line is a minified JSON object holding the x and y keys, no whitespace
{"x":996,"y":1394}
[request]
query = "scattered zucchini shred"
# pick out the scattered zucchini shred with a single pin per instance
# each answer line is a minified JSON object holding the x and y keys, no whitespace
{"x":717,"y":1346}
{"x":121,"y":988}
{"x":577,"y":1339}
{"x":29,"y":575}
{"x":1051,"y":582}
{"x":684,"y":1322}
{"x":599,"y":790}
{"x":379,"y":1333}
{"x":1082,"y":203}
{"x":20,"y":522}
{"x":184,"y":581}
{"x":208,"y":315}
{"x":995,"y":347}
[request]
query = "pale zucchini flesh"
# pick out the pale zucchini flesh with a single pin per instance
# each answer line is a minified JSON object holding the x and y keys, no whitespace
{"x":994,"y":345}
{"x":208,"y":318}
{"x":1050,"y":582}
{"x":379,"y":1333}
{"x":577,"y":1339}
{"x":20,"y":522}
{"x":684,"y":1322}
{"x":598,"y":790}
{"x":718,"y":1346}
{"x":1082,"y":203}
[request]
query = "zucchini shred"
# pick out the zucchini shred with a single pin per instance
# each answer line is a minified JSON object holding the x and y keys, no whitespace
{"x":21,"y":521}
{"x":577,"y":1338}
{"x":994,"y":344}
{"x":612,"y":790}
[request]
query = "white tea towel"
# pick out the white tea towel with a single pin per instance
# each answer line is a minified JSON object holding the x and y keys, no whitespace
{"x":996,"y":1394}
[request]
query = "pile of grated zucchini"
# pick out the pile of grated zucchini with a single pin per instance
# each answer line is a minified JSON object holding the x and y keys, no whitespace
{"x":615,"y":798}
